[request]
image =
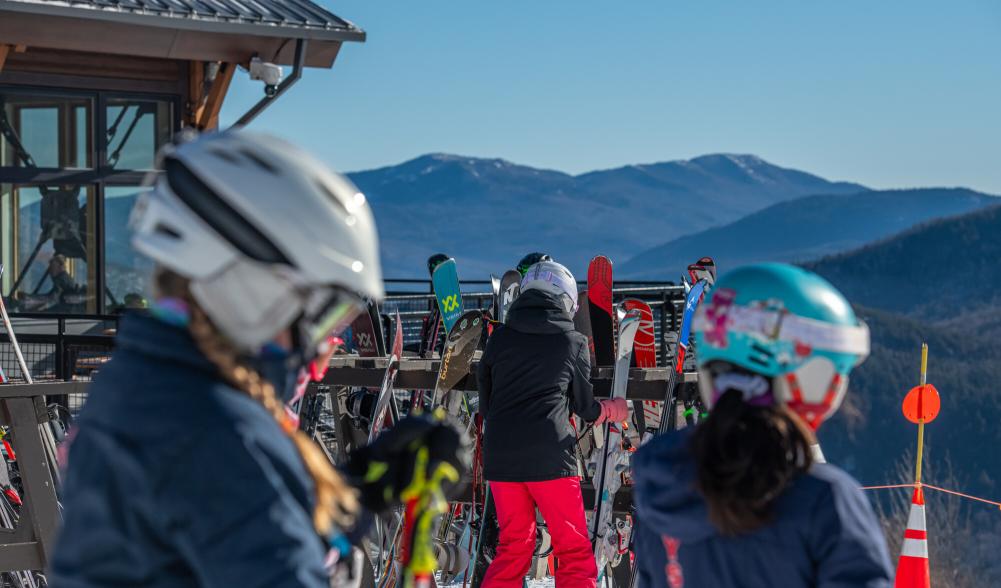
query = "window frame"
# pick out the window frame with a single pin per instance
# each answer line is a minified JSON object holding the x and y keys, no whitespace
{"x":100,"y":174}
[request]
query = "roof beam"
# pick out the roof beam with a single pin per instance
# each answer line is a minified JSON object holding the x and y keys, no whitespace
{"x":207,"y":116}
{"x":5,"y":51}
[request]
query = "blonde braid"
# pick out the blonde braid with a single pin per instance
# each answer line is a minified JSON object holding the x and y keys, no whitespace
{"x":335,"y":500}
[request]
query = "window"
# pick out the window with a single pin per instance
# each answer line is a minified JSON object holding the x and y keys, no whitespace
{"x":48,"y":248}
{"x":71,"y":166}
{"x":136,"y":129}
{"x":45,"y":131}
{"x":127,"y":273}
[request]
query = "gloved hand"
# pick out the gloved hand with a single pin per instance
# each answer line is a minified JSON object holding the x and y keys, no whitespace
{"x":614,"y":410}
{"x":383,"y":470}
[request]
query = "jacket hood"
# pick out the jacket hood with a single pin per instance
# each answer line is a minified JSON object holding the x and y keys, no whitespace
{"x":539,"y":313}
{"x":143,"y":333}
{"x":664,"y":488}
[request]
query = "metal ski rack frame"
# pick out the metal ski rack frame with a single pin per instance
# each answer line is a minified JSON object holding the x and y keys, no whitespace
{"x":22,"y":408}
{"x":349,"y":371}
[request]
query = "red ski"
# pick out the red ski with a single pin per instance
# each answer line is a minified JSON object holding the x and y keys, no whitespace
{"x":599,"y":295}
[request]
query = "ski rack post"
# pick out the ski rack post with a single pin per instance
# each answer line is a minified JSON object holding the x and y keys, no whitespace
{"x":22,"y":408}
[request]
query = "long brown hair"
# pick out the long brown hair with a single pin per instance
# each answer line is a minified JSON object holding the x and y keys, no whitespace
{"x":745,"y":457}
{"x":335,"y":500}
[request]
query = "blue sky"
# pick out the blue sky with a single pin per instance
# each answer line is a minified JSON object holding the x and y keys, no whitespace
{"x":886,"y":93}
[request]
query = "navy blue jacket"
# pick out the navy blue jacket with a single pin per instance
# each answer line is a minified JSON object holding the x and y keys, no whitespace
{"x":824,"y":535}
{"x":176,"y":479}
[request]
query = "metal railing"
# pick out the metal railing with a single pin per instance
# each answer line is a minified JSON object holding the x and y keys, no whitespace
{"x":72,"y":347}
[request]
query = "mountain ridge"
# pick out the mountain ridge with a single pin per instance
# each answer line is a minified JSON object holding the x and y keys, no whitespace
{"x":443,"y":202}
{"x":807,"y":231}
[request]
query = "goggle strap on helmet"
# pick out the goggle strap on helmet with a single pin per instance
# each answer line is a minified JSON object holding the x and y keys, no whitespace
{"x":779,"y":325}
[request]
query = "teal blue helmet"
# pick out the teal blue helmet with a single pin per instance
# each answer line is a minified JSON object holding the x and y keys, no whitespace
{"x":778,"y":334}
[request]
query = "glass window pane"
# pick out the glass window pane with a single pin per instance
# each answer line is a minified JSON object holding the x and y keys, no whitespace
{"x":136,"y":130}
{"x":47,"y":248}
{"x":45,"y":131}
{"x":127,"y":273}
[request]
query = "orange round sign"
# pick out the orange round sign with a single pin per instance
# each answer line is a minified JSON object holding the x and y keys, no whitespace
{"x":922,"y":403}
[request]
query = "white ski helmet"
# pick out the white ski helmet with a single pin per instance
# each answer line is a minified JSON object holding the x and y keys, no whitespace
{"x":268,"y":237}
{"x":552,"y":277}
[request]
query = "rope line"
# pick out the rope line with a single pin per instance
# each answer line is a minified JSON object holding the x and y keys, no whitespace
{"x":945,"y":490}
{"x":984,"y":500}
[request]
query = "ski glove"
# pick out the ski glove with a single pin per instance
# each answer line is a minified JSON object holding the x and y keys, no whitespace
{"x":613,"y":410}
{"x":383,"y":470}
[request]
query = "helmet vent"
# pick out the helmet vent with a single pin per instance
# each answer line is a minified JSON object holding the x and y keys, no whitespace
{"x":168,"y":231}
{"x":224,"y":154}
{"x":333,"y":197}
{"x":761,"y":355}
{"x":220,"y":215}
{"x":261,"y":162}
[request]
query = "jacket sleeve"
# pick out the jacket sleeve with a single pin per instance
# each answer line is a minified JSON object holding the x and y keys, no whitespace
{"x":247,"y":527}
{"x":484,"y":379}
{"x":581,"y":391}
{"x":848,"y":541}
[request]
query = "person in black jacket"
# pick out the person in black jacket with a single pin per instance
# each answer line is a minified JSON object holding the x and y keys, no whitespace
{"x":533,"y":374}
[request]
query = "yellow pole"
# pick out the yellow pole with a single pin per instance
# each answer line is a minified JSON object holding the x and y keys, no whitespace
{"x":921,"y":421}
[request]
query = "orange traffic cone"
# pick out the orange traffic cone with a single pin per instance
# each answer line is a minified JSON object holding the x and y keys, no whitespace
{"x":912,"y":568}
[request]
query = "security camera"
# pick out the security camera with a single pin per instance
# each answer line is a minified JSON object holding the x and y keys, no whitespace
{"x":266,"y":72}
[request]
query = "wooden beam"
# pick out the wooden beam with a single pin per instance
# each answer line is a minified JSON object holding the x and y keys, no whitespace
{"x":4,"y":51}
{"x":196,"y":92}
{"x":209,"y":118}
{"x":20,"y":48}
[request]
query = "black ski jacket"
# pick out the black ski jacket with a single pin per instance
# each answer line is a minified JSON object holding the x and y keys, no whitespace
{"x":533,"y":373}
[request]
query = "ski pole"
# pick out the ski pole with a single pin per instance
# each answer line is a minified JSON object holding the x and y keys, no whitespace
{"x":424,"y":500}
{"x":13,"y":339}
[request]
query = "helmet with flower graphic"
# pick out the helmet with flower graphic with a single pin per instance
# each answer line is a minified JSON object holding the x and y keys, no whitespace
{"x":779,"y":334}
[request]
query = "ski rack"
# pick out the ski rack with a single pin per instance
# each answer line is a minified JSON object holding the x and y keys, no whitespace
{"x":420,"y":374}
{"x":351,"y":371}
{"x":22,"y":408}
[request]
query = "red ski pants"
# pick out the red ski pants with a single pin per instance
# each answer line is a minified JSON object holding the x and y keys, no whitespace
{"x":561,"y":505}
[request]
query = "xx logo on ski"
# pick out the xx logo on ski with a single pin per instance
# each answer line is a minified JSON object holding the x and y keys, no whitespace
{"x":450,"y":303}
{"x":365,"y":340}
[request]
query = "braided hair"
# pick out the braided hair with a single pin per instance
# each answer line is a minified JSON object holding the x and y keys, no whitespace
{"x":336,"y":502}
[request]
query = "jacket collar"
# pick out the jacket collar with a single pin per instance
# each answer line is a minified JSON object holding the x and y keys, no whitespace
{"x":142,"y":333}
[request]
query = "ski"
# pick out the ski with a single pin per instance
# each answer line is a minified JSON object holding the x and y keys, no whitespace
{"x":446,"y":291}
{"x":431,"y":327}
{"x":599,"y":294}
{"x":380,"y":335}
{"x":582,"y":322}
{"x":644,"y":356}
{"x":430,"y":333}
{"x":386,"y":390}
{"x":456,"y":359}
{"x":510,"y":289}
{"x":703,"y":273}
{"x":495,"y":300}
{"x":613,"y":459}
{"x":645,"y":345}
{"x":486,"y":541}
{"x":364,"y":340}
